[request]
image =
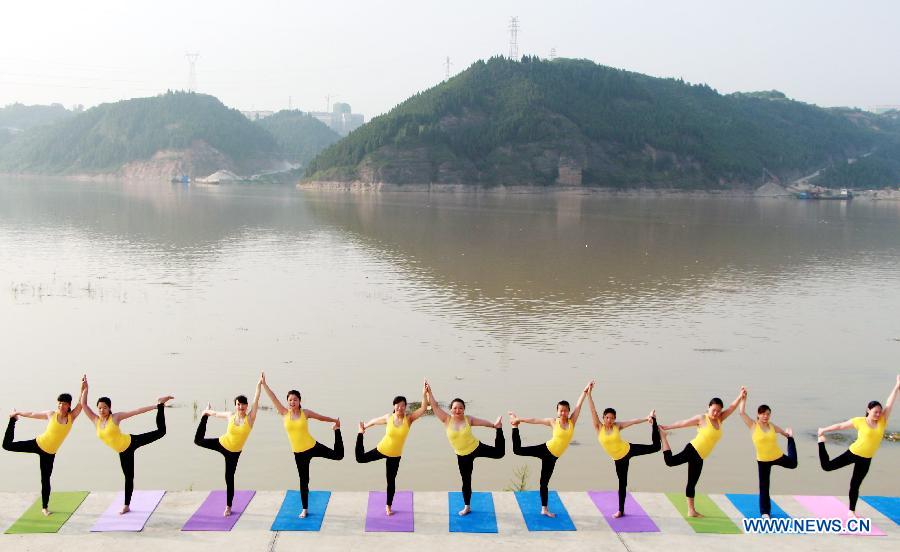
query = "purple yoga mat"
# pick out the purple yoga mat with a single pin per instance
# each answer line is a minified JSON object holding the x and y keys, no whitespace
{"x":209,"y":516}
{"x":401,"y":521}
{"x":142,"y":505}
{"x":635,"y":519}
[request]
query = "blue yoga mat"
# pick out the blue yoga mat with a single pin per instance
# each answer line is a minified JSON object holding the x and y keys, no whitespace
{"x":887,"y":505}
{"x":481,"y":519}
{"x":530,"y":505}
{"x":748,"y":506}
{"x":288,"y":515}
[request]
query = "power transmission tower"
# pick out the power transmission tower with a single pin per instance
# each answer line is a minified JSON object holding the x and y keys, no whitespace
{"x":552,"y":54}
{"x":514,"y":38}
{"x":192,"y":71}
{"x":447,"y":65}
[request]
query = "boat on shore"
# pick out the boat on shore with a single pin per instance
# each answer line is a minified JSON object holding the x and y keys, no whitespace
{"x":842,"y":194}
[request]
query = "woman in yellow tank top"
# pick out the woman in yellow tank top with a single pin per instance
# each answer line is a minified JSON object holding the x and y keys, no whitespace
{"x":59,"y":423}
{"x":617,"y":448}
{"x":563,"y":428}
{"x":869,"y":434}
{"x":108,"y":431}
{"x":390,"y":448}
{"x":230,"y":445}
{"x":305,"y":448}
{"x":765,"y":439}
{"x":709,"y":431}
{"x":458,"y":427}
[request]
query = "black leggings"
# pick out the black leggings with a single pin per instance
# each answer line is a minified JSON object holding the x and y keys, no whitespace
{"x":634,"y":450}
{"x":231,"y":458}
{"x":467,"y":463}
{"x":695,"y":465}
{"x":391,"y":465}
{"x":45,"y":458}
{"x":126,"y":457}
{"x":548,"y":462}
{"x":765,"y":471}
{"x":860,"y":469}
{"x":318,"y":451}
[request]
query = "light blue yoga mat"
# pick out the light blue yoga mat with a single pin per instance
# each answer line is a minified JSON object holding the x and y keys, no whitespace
{"x":530,"y":505}
{"x":748,"y":506}
{"x":288,"y":518}
{"x":887,"y":505}
{"x":481,"y":519}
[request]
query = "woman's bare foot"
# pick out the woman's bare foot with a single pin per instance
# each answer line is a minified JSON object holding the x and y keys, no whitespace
{"x":851,"y":514}
{"x":336,"y":425}
{"x":46,"y":512}
{"x":513,"y":419}
{"x":164,"y":400}
{"x":362,"y":427}
{"x":499,"y":423}
{"x":694,"y":513}
{"x":14,"y":415}
{"x":618,"y":515}
{"x":548,"y":513}
{"x":820,"y":435}
{"x":227,"y":511}
{"x":303,"y":513}
{"x":465,"y":511}
{"x":789,"y":432}
{"x":388,"y":511}
{"x":125,"y":509}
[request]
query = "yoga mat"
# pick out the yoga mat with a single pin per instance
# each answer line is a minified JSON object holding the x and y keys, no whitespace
{"x":714,"y":520}
{"x":61,"y":506}
{"x":530,"y":505}
{"x":208,"y":516}
{"x":887,"y":505}
{"x":831,"y":507}
{"x":142,"y":505}
{"x":748,"y":506}
{"x":481,"y":519}
{"x":401,"y":521}
{"x":288,"y":518}
{"x":635,"y":519}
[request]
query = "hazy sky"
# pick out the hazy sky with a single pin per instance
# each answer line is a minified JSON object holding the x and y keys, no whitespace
{"x":374,"y":54}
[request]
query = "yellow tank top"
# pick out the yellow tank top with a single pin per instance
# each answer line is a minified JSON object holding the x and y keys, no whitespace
{"x":766,"y":443}
{"x":112,"y":435}
{"x":707,"y":437}
{"x":558,"y":444}
{"x":613,"y":443}
{"x":462,"y":441}
{"x":298,"y":432}
{"x":236,"y":435}
{"x":867,"y":439}
{"x":394,"y":437}
{"x":52,"y":438}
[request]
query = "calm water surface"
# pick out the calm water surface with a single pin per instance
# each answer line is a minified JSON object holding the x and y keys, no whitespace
{"x":511,"y":302}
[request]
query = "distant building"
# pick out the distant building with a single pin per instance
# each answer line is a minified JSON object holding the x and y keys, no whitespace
{"x":341,"y":119}
{"x":257,"y":115}
{"x":880,"y":109}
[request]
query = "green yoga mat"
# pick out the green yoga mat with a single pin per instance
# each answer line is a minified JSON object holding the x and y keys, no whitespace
{"x":62,"y":506}
{"x":714,"y":520}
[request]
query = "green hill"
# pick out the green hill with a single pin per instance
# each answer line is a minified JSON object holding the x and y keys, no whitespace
{"x":161,"y":136}
{"x":21,"y":117}
{"x":571,"y":121}
{"x":300,"y":136}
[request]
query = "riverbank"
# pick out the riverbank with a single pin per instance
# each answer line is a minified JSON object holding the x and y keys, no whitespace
{"x":343,"y":528}
{"x":763,"y":192}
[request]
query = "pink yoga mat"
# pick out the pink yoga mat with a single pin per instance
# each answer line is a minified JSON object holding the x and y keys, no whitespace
{"x":635,"y":519}
{"x":209,"y":516}
{"x":831,"y":507}
{"x":142,"y":505}
{"x":401,"y":521}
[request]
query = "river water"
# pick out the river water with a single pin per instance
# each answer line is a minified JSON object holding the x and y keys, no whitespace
{"x":510,"y":301}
